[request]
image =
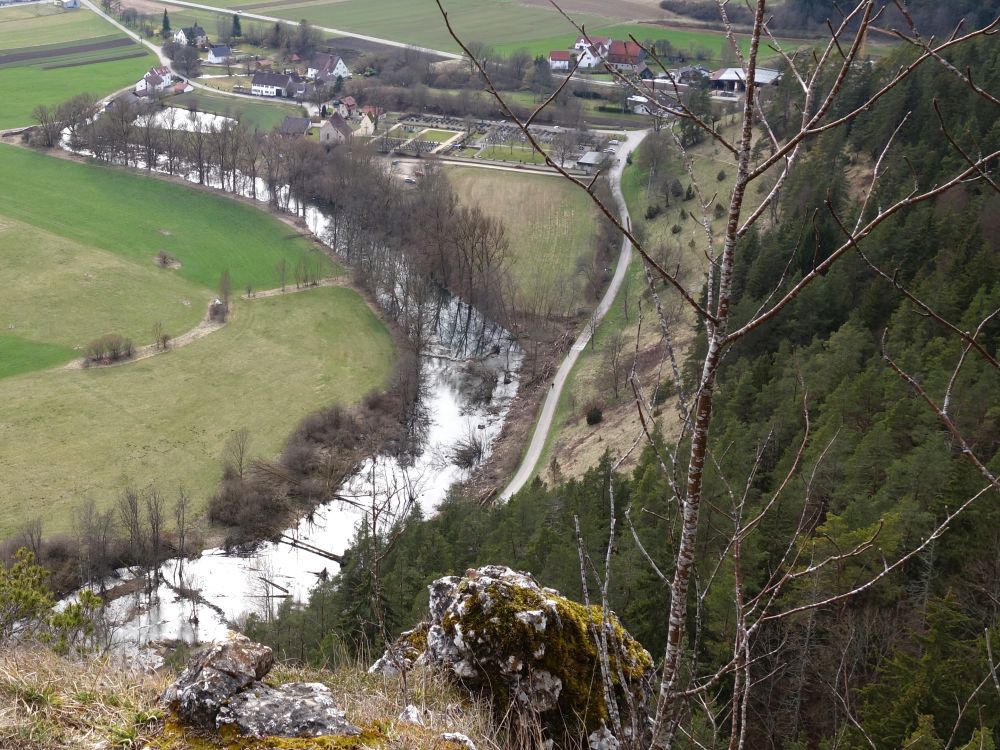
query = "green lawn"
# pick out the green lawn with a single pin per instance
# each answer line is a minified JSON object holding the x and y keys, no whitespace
{"x":18,"y":355}
{"x":71,"y":435}
{"x":135,"y":216}
{"x":20,"y":11}
{"x":549,"y":224}
{"x":264,"y":115}
{"x":516,"y":153}
{"x":495,"y":22}
{"x":438,"y":136}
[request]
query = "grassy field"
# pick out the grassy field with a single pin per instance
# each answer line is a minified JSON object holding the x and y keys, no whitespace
{"x":57,"y":73}
{"x":263,"y":114}
{"x":135,"y":216}
{"x":107,"y":293}
{"x":64,"y":26}
{"x":515,"y":153}
{"x":70,"y":435}
{"x":496,"y":22}
{"x":549,"y":224}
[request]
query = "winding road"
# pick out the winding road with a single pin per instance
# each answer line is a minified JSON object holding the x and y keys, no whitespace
{"x":531,"y":457}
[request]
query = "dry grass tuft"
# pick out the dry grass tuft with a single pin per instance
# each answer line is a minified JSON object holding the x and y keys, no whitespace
{"x":53,"y":702}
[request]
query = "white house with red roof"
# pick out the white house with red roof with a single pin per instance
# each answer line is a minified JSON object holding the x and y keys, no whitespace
{"x":560,"y":59}
{"x":158,"y":79}
{"x":625,"y":56}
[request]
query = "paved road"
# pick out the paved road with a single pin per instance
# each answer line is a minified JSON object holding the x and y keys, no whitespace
{"x":526,"y":470}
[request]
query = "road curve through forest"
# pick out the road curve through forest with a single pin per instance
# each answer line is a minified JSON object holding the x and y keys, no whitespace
{"x":531,"y":457}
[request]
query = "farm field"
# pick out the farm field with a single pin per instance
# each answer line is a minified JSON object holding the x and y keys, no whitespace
{"x":495,"y":22}
{"x":72,"y":435}
{"x":549,"y":224}
{"x":263,"y":114}
{"x":45,"y":59}
{"x":687,"y":40}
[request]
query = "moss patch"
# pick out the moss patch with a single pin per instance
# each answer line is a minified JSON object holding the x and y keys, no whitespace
{"x":176,"y":735}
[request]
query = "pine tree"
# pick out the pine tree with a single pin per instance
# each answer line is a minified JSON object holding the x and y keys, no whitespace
{"x":166,"y":23}
{"x":237,"y":31}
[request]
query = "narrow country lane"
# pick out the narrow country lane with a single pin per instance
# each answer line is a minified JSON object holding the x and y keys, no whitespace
{"x":531,"y":457}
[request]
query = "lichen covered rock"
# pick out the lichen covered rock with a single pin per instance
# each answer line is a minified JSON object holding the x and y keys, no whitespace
{"x":403,"y":653}
{"x":497,"y":630}
{"x":297,"y":709}
{"x":214,"y":675}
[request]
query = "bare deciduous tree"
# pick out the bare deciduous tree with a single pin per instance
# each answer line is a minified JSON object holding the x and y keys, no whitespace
{"x":686,"y":687}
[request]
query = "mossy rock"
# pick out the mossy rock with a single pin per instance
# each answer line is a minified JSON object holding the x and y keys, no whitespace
{"x":498,"y":631}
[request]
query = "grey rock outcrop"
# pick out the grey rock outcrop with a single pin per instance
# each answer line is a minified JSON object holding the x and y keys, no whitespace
{"x":298,"y":709}
{"x":498,"y":630}
{"x":215,"y":675}
{"x":221,"y":686}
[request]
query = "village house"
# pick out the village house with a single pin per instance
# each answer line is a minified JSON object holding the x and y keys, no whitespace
{"x":295,"y":127}
{"x":325,"y":67}
{"x":347,"y":106}
{"x":69,"y":4}
{"x":266,"y":83}
{"x":155,"y":81}
{"x":335,"y":130}
{"x":219,"y":54}
{"x":625,"y":56}
{"x":192,"y":35}
{"x":590,"y":57}
{"x":560,"y":59}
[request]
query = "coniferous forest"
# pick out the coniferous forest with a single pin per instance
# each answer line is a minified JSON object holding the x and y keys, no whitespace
{"x":905,"y":662}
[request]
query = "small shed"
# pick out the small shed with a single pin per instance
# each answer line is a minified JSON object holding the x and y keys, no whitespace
{"x":590,"y":162}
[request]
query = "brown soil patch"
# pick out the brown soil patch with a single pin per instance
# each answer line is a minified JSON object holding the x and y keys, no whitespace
{"x":71,"y":49}
{"x":169,"y":262}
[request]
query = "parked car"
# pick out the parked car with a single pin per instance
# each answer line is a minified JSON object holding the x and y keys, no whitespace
{"x":409,"y":181}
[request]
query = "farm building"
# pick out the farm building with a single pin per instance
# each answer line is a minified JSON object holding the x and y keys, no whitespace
{"x":295,"y":127}
{"x":346,"y":106}
{"x":560,"y":59}
{"x":734,"y":80}
{"x":193,"y":35}
{"x":600,"y":43}
{"x":219,"y":54}
{"x":335,"y":130}
{"x":155,"y":81}
{"x":68,"y":4}
{"x":270,"y":84}
{"x":326,"y":67}
{"x":625,"y":56}
{"x":590,"y":162}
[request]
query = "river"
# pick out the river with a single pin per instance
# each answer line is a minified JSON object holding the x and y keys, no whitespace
{"x":228,"y":586}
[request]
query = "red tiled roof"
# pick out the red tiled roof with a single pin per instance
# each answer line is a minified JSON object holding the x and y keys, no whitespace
{"x":560,"y":55}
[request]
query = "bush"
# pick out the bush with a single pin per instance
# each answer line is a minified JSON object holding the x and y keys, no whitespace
{"x":111,"y":347}
{"x":652,"y":212}
{"x":595,"y":415}
{"x":719,"y":211}
{"x":675,"y":229}
{"x":721,"y":175}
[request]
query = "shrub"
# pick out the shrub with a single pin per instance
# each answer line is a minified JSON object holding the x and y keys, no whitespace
{"x":165,"y":259}
{"x":653,"y":211}
{"x":719,"y":211}
{"x":675,"y":229}
{"x":721,"y":175}
{"x":595,"y":415}
{"x":108,"y":348}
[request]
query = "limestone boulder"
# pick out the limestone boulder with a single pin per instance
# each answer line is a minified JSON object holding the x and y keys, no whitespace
{"x":498,"y":630}
{"x":297,"y":709}
{"x":214,"y":675}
